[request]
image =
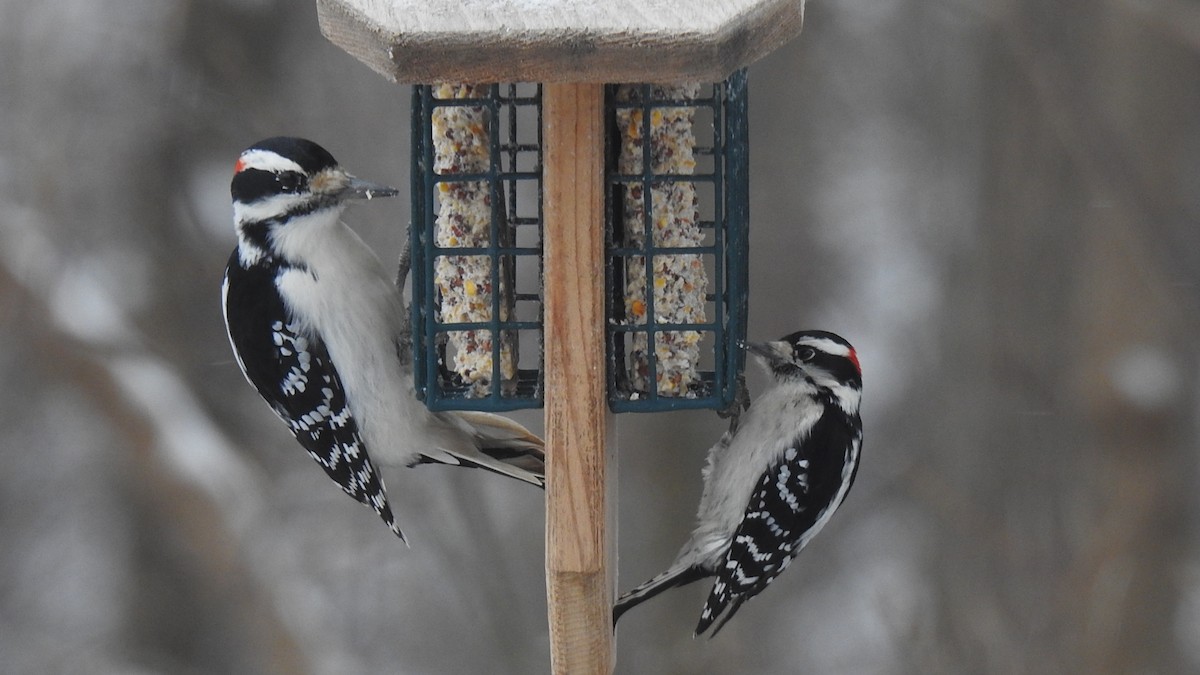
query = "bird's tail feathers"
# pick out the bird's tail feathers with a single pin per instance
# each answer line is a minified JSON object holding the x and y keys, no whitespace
{"x":528,"y":459}
{"x":390,"y":519}
{"x":509,"y":444}
{"x":377,"y":501}
{"x":500,"y":431}
{"x":675,"y":576}
{"x":496,"y":443}
{"x":718,"y":610}
{"x":481,"y":460}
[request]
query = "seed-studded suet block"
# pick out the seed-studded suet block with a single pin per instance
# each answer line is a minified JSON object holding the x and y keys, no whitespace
{"x":461,"y":143}
{"x":679,"y":280}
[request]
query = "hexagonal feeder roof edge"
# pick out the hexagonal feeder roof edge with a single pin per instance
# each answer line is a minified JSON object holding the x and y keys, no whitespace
{"x":425,"y":41}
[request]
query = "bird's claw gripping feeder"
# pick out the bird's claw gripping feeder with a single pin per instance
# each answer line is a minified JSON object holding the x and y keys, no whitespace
{"x":579,"y":238}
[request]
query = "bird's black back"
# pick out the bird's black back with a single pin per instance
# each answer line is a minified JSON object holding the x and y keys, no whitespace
{"x":272,"y":353}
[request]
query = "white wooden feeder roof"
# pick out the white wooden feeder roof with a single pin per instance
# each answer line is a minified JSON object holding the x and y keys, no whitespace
{"x":426,"y":41}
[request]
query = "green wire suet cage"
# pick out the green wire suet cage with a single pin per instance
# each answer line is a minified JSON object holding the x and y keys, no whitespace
{"x":677,"y":218}
{"x":476,"y":243}
{"x":676,"y":204}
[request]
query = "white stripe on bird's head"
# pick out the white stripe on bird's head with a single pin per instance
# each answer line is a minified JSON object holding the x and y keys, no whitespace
{"x":265,"y":160}
{"x":825,"y":345}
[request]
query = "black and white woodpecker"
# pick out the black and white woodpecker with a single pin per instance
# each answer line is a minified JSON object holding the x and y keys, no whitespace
{"x":318,"y":328}
{"x":773,"y":481}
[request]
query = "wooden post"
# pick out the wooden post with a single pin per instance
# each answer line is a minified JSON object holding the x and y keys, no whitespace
{"x":579,"y":581}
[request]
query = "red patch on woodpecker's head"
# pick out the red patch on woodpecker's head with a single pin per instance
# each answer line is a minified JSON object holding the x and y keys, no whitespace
{"x":239,"y":166}
{"x":853,"y":356}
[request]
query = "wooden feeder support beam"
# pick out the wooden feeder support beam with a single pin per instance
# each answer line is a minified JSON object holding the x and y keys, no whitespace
{"x":579,"y":577}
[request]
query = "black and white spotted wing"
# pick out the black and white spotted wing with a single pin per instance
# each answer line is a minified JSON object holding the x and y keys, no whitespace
{"x":791,"y":503}
{"x":295,"y":375}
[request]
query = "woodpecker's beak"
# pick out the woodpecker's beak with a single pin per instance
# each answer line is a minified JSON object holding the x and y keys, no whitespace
{"x":356,"y":188}
{"x":338,"y":184}
{"x":772,"y":352}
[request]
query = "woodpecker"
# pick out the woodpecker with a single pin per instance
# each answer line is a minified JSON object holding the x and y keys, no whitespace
{"x":775,"y":479}
{"x":318,"y":328}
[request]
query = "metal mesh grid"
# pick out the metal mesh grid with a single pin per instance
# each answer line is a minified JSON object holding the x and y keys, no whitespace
{"x":505,"y":260}
{"x":641,"y":343}
{"x":510,"y":180}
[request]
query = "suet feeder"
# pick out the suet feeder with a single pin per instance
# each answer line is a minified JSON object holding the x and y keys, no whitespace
{"x":579,"y":238}
{"x":675,"y":214}
{"x":676,"y":171}
{"x":477,"y":220}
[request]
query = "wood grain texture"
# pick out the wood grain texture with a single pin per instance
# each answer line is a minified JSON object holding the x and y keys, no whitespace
{"x":579,"y":582}
{"x":425,"y":41}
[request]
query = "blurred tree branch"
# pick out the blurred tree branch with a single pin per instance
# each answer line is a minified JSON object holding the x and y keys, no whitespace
{"x":182,"y":514}
{"x":1061,"y":74}
{"x":1175,"y":18}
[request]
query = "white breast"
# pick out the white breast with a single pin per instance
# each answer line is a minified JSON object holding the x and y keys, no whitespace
{"x":346,"y":297}
{"x":733,"y":472}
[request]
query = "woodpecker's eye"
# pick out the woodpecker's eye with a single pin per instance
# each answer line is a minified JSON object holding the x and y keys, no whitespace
{"x":806,"y":354}
{"x":290,"y":181}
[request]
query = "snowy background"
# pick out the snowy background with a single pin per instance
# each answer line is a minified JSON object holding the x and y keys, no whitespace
{"x":997,"y":201}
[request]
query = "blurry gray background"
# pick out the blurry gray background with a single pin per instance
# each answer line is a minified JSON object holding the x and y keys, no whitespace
{"x":997,"y":201}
